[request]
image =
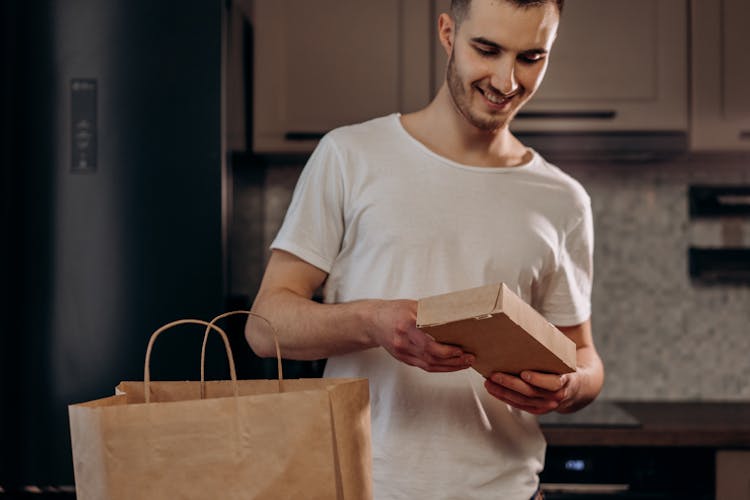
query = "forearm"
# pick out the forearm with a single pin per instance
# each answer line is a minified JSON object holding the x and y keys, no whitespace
{"x":307,"y":329}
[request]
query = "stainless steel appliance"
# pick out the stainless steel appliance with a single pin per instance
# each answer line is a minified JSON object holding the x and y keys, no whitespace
{"x":111,"y":207}
{"x":624,"y":472}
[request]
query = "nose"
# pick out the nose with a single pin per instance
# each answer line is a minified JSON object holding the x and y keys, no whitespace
{"x":504,"y":76}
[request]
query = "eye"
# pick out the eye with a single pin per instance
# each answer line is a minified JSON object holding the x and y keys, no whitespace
{"x":485,"y":52}
{"x":531,"y":58}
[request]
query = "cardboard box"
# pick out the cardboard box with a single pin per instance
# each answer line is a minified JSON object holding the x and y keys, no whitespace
{"x":499,"y":328}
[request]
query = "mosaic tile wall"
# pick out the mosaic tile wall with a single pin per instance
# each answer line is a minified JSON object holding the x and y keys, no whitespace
{"x":661,"y":336}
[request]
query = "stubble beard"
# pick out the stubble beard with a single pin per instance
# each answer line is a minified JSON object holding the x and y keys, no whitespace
{"x":461,"y":98}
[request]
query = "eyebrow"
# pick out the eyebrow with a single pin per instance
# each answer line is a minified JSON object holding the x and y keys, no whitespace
{"x":489,"y":43}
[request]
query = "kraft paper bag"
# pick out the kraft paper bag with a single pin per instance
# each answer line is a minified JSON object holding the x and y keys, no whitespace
{"x":229,"y":439}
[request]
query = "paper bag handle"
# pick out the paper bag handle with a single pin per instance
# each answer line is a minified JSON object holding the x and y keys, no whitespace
{"x":209,"y":326}
{"x":252,"y":315}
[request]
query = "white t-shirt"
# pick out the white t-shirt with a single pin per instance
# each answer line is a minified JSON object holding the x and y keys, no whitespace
{"x":388,"y":218}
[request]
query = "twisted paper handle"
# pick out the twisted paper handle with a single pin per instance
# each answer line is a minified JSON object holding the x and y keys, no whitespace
{"x":252,"y":315}
{"x":209,"y":326}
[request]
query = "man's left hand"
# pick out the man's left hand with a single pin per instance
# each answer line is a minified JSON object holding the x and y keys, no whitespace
{"x":534,"y":392}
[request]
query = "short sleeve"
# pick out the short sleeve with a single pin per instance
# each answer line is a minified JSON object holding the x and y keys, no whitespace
{"x":313,"y":226}
{"x":567,"y":298}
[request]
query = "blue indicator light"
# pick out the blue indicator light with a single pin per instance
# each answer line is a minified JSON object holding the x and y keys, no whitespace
{"x":575,"y":464}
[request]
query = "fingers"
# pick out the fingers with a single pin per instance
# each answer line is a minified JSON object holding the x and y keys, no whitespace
{"x":416,"y":348}
{"x":536,"y":406}
{"x":547,"y":381}
{"x":431,"y":366}
{"x":520,"y":386}
{"x":431,"y":363}
{"x":524,"y":393}
{"x":430,"y":346}
{"x":395,"y":330}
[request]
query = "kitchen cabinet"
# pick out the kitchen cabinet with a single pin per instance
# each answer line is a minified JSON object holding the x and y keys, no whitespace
{"x":720,"y":75}
{"x":732,"y":473}
{"x":616,"y":66}
{"x":319,"y":65}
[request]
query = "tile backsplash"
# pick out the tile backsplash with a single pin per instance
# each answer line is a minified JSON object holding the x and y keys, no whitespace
{"x":660,"y":335}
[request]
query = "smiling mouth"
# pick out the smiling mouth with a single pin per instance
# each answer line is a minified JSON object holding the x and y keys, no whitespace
{"x":499,"y":100}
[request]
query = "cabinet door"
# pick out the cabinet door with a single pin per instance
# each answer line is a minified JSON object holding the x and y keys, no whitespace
{"x":615,"y":66}
{"x":319,"y":65}
{"x":732,"y":475}
{"x":720,"y":75}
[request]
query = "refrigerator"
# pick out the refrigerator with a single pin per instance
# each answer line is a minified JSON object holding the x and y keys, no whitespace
{"x":113,"y":212}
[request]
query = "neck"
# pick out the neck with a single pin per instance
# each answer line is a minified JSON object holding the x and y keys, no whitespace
{"x":442,"y":128}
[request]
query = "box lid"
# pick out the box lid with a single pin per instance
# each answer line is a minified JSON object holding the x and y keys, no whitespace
{"x":499,"y":328}
{"x":471,"y":303}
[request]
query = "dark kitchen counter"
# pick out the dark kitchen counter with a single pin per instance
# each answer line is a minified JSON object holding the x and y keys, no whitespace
{"x":620,"y":423}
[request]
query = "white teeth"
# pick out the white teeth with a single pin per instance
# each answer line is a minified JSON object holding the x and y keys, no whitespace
{"x":493,"y":99}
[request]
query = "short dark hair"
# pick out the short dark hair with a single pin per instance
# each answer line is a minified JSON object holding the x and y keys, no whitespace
{"x":459,"y":8}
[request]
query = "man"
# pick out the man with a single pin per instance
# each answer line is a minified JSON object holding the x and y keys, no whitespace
{"x":443,"y":199}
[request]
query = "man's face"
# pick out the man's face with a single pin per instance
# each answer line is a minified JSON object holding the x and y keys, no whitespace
{"x":498,"y":59}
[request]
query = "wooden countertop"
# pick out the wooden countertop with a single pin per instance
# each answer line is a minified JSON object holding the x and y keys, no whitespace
{"x":712,"y":424}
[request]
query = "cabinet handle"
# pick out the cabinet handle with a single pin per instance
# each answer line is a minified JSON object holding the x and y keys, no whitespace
{"x":303,"y":136}
{"x":744,"y":135}
{"x":568,"y":115}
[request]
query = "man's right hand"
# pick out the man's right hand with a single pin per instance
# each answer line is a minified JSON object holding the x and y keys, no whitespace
{"x":394,"y":327}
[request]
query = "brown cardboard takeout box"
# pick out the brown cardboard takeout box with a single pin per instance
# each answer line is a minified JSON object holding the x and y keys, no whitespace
{"x":504,"y":333}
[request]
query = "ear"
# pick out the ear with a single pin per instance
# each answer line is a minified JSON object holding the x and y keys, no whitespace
{"x":446,"y":32}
